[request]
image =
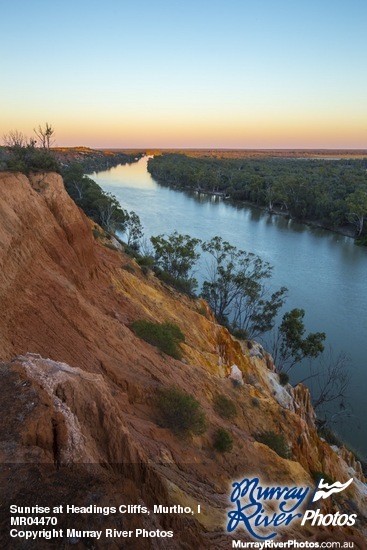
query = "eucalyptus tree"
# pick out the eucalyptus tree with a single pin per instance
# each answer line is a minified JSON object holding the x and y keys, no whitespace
{"x":290,"y":345}
{"x":111,"y":216}
{"x":177,"y":255}
{"x":236,"y":291}
{"x":357,"y":208}
{"x":133,"y":230}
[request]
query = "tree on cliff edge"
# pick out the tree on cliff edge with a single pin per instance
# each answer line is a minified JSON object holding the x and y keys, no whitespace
{"x":14,"y":138}
{"x":46,"y":136}
{"x":236,"y":291}
{"x":111,"y":216}
{"x":177,"y":255}
{"x":22,"y":155}
{"x":290,"y":346}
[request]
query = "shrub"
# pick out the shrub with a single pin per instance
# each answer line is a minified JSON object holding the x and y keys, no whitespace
{"x":239,"y":333}
{"x":223,"y":441}
{"x":180,"y":412}
{"x":184,"y":286}
{"x":129,"y":250}
{"x":30,"y":159}
{"x":147,"y":261}
{"x":97,"y":234}
{"x":224,"y":406}
{"x":283,"y":378}
{"x":165,"y":336}
{"x":276,"y":442}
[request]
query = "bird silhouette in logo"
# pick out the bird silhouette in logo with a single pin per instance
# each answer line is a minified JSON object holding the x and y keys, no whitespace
{"x":324,"y":490}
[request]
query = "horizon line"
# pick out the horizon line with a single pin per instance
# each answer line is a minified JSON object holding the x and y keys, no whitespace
{"x":149,"y":148}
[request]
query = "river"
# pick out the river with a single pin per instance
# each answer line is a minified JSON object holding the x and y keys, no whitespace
{"x":325,"y":272}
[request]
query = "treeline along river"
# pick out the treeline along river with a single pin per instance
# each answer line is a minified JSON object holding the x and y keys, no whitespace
{"x":325,"y":272}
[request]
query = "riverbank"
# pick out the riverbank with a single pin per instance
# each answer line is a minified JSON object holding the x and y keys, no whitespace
{"x":324,"y":154}
{"x":346,"y":231}
{"x":94,"y":160}
{"x":325,"y":192}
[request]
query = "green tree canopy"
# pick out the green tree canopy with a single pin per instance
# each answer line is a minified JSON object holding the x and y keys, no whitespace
{"x":176,"y":254}
{"x":291,"y":346}
{"x":357,"y":208}
{"x":235,"y":288}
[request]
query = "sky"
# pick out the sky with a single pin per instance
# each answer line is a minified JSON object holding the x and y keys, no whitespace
{"x":193,"y":74}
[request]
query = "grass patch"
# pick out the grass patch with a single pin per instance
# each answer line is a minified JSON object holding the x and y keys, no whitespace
{"x":180,"y":412}
{"x":165,"y":336}
{"x":276,"y":442}
{"x":224,"y":406}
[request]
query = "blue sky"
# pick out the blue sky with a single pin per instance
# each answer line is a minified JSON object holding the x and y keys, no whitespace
{"x":193,"y":74}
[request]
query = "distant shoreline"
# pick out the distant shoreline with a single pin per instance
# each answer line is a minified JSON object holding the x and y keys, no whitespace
{"x":332,"y":154}
{"x":345,"y":231}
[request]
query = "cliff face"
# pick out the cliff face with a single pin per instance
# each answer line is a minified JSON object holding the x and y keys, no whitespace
{"x":79,"y":387}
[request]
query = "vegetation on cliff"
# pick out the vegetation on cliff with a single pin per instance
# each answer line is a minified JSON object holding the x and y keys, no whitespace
{"x":100,"y":206}
{"x":276,"y":442}
{"x":27,"y":159}
{"x":235,"y":285}
{"x":181,"y":412}
{"x":165,"y":336}
{"x":30,"y":155}
{"x":223,"y":442}
{"x":23,"y":154}
{"x":224,"y":406}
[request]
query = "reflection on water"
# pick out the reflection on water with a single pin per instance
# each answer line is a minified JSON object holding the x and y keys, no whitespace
{"x":324,"y":272}
{"x":136,"y":174}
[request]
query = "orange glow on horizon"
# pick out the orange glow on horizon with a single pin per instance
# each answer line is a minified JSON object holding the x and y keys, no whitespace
{"x":236,"y":130}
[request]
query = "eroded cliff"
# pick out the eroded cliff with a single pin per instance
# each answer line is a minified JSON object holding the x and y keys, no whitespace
{"x":79,"y":388}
